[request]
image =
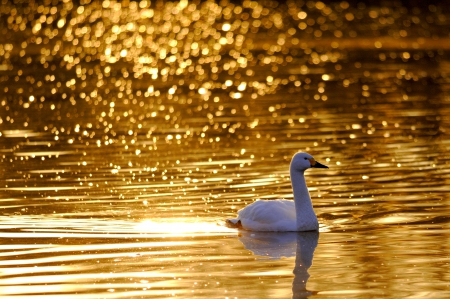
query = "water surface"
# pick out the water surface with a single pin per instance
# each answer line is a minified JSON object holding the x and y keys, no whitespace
{"x":130,"y":131}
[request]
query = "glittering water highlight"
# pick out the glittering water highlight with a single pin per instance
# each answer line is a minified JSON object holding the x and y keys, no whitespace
{"x":130,"y":130}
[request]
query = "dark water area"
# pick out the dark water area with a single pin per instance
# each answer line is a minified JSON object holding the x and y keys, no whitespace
{"x":129,"y":132}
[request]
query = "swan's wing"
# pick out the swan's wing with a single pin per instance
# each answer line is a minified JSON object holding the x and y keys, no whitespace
{"x":269,"y":215}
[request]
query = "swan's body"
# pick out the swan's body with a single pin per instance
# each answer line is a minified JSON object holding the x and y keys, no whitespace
{"x":283,"y":215}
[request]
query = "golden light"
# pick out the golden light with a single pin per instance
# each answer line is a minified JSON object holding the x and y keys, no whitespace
{"x":226,"y":27}
{"x":302,"y":15}
{"x":181,"y":227}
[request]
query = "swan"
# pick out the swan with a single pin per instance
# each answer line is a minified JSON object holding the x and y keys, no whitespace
{"x":283,"y":215}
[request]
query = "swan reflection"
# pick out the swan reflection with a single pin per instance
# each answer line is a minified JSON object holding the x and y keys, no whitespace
{"x":277,"y":245}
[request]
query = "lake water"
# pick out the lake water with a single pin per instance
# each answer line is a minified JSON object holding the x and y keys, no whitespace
{"x":129,"y":131}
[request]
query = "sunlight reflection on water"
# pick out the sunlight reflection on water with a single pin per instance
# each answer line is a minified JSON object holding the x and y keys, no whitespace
{"x":130,"y":130}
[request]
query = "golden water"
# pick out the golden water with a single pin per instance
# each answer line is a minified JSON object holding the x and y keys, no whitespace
{"x":130,"y":130}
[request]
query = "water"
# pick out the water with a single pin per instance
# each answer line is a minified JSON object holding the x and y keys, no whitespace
{"x":130,"y":131}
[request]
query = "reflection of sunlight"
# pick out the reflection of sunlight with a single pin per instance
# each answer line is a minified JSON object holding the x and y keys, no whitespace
{"x":286,"y":272}
{"x":45,"y":226}
{"x":149,"y":226}
{"x":323,"y":228}
{"x":394,"y":219}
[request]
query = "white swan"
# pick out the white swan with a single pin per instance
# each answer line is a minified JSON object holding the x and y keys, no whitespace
{"x":283,"y":215}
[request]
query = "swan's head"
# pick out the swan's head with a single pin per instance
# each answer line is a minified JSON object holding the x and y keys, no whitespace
{"x":302,"y":161}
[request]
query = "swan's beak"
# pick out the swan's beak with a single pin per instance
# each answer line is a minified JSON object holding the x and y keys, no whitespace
{"x":316,"y":164}
{"x":319,"y":165}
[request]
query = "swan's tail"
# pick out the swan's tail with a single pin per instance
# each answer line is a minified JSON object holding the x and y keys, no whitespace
{"x":234,"y":223}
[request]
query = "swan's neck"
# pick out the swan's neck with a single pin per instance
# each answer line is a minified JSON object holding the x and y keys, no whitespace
{"x":306,"y":218}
